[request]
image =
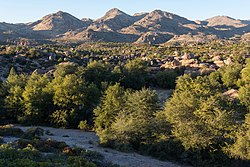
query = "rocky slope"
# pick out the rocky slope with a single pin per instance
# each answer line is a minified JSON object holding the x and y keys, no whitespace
{"x":189,"y":38}
{"x":156,"y":27}
{"x":58,"y":23}
{"x":113,"y":20}
{"x":220,"y":21}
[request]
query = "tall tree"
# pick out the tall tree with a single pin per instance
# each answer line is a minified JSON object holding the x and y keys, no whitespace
{"x":69,"y":99}
{"x":107,"y":111}
{"x":64,"y":69}
{"x":241,"y":147}
{"x":97,"y":73}
{"x":134,"y":124}
{"x":134,"y":73}
{"x":230,"y":74}
{"x":199,"y":115}
{"x":13,"y":101}
{"x":37,"y":101}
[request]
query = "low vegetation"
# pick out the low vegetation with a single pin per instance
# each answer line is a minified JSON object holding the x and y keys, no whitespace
{"x":31,"y":151}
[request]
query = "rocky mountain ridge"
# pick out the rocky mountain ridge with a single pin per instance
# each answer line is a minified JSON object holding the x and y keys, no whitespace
{"x":156,"y":27}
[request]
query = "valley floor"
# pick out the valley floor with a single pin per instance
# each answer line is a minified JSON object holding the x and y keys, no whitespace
{"x":89,"y":141}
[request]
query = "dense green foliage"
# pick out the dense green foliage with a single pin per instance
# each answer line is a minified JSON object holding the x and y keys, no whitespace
{"x":36,"y":99}
{"x":97,"y":73}
{"x":124,"y":117}
{"x":241,"y":148}
{"x":134,"y":74}
{"x":199,"y":103}
{"x":230,"y":74}
{"x":111,"y":104}
{"x":14,"y":87}
{"x":166,"y":79}
{"x":202,"y":124}
{"x":69,"y":96}
{"x":200,"y":121}
{"x":63,"y":101}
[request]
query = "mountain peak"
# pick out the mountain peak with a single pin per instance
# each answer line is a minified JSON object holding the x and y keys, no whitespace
{"x":112,"y":13}
{"x":224,"y":21}
{"x":59,"y":12}
{"x":58,"y":22}
{"x":113,"y":20}
{"x":159,"y":14}
{"x":221,"y":17}
{"x":115,"y":11}
{"x":158,"y":11}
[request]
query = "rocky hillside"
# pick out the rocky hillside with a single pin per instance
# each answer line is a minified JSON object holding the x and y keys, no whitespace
{"x":220,"y":21}
{"x":113,"y":20}
{"x":156,"y":27}
{"x":189,"y":38}
{"x":58,"y":23}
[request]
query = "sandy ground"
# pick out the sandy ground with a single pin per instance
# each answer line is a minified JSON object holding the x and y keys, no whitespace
{"x":89,"y":141}
{"x":163,"y":95}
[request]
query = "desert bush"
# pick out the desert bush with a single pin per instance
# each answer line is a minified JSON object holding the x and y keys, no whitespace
{"x":33,"y":133}
{"x":1,"y":139}
{"x":42,"y":145}
{"x":83,"y":125}
{"x":30,"y":157}
{"x":10,"y":131}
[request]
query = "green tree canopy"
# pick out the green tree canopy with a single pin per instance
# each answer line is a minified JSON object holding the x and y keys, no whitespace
{"x":13,"y":100}
{"x":198,"y":113}
{"x":166,"y":79}
{"x":107,"y":111}
{"x":230,"y":74}
{"x":64,"y":69}
{"x":36,"y":99}
{"x":134,"y":74}
{"x":241,"y":147}
{"x":97,"y":73}
{"x":134,"y":123}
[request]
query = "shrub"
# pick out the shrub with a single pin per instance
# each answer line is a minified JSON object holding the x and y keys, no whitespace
{"x":33,"y":133}
{"x":83,"y":125}
{"x":166,"y":79}
{"x":10,"y":131}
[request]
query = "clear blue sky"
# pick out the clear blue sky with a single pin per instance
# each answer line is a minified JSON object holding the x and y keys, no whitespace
{"x":15,"y":11}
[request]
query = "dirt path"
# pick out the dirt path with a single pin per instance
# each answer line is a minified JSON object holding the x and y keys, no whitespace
{"x":89,"y":141}
{"x":163,"y":95}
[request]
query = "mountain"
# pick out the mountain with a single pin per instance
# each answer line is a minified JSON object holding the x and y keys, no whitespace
{"x":159,"y":21}
{"x":10,"y":32}
{"x":224,"y":21}
{"x":113,"y":20}
{"x":90,"y":35}
{"x":156,"y":27}
{"x":87,"y":21}
{"x":190,"y":38}
{"x":57,"y":23}
{"x":153,"y":38}
{"x":246,"y":37}
{"x":226,"y":27}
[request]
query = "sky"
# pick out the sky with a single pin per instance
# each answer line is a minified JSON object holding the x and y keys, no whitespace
{"x":24,"y":11}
